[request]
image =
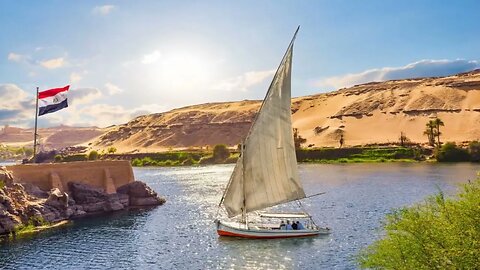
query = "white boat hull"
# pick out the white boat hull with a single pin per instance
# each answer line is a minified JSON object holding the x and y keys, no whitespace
{"x":235,"y":229}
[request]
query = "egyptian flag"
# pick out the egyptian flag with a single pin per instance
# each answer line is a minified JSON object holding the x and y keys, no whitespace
{"x":52,"y":100}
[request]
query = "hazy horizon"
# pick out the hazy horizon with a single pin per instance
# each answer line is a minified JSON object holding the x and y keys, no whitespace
{"x":123,"y":59}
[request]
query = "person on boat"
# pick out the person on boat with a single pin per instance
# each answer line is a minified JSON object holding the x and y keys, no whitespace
{"x":289,"y":227}
{"x":294,"y":225}
{"x":300,"y":226}
{"x":282,"y":225}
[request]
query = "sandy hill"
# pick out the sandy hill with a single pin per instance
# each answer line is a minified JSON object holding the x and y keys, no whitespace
{"x":49,"y":138}
{"x":367,"y":113}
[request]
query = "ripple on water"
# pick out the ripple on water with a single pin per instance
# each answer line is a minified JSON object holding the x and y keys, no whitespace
{"x":181,"y":234}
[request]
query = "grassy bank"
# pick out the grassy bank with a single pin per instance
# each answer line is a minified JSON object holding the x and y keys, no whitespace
{"x":440,"y":233}
{"x":359,"y":155}
{"x":225,"y":156}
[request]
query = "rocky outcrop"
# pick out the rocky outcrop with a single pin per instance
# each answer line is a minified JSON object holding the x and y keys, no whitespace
{"x":140,"y":194}
{"x":21,"y":204}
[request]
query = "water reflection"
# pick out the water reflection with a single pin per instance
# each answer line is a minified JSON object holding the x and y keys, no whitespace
{"x":181,"y":234}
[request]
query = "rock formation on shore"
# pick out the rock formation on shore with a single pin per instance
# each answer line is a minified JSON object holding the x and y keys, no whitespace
{"x":363,"y":114}
{"x":27,"y":204}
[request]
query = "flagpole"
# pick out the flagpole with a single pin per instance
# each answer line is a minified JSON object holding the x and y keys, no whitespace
{"x":35,"y":132}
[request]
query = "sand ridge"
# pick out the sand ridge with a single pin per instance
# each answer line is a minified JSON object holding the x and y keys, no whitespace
{"x":369,"y":113}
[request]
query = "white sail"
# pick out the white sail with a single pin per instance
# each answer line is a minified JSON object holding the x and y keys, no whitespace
{"x":266,"y":174}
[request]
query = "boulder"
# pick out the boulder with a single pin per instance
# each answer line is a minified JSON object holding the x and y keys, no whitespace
{"x":6,"y":176}
{"x":147,"y":201}
{"x":34,"y":190}
{"x":137,"y":189}
{"x":86,"y":194}
{"x":8,"y":222}
{"x":140,"y":194}
{"x":57,"y":199}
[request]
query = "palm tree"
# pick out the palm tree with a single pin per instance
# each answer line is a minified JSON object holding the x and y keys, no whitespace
{"x":438,"y":122}
{"x":430,"y":132}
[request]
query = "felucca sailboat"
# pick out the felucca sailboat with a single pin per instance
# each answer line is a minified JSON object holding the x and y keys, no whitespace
{"x":266,"y":172}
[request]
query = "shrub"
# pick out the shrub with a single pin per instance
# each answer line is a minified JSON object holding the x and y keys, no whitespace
{"x":112,"y":150}
{"x":136,"y":162}
{"x":474,"y":151}
{"x":449,"y":152}
{"x":93,"y":155}
{"x":220,"y":153}
{"x":58,"y":158}
{"x":438,"y":234}
{"x":79,"y":157}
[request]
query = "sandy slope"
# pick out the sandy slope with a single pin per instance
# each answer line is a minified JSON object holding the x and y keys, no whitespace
{"x":49,"y":138}
{"x":368,"y":113}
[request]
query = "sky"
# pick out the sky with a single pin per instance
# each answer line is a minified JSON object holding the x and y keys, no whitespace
{"x":128,"y":58}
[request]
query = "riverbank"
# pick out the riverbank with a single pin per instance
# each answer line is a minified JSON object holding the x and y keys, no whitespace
{"x":322,"y":155}
{"x":448,"y":152}
{"x":29,"y":205}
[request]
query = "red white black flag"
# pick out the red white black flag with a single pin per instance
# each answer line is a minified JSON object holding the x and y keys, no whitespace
{"x":52,"y":100}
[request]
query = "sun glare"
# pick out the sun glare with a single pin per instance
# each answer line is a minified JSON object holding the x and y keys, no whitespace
{"x":182,"y":70}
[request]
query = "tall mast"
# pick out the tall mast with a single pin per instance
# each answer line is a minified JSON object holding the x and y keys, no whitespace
{"x":35,"y":131}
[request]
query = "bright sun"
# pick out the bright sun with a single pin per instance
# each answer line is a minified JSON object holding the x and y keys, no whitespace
{"x":182,"y":70}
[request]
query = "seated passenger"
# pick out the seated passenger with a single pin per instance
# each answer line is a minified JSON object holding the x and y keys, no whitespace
{"x":294,"y":225}
{"x":282,"y":225}
{"x":289,"y":227}
{"x":300,"y":226}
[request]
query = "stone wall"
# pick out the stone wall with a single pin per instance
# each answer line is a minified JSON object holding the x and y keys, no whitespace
{"x":108,"y":175}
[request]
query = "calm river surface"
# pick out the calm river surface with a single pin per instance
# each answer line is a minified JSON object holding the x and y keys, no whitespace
{"x":181,"y":234}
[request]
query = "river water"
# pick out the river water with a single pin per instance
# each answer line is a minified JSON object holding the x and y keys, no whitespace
{"x":181,"y":234}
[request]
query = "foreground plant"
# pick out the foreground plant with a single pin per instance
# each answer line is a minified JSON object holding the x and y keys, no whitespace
{"x":442,"y":233}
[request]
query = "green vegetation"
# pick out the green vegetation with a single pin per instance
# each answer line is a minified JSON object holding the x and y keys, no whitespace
{"x":220,"y":153}
{"x":112,"y":150}
{"x":31,"y":226}
{"x":2,"y":184}
{"x":358,"y":154}
{"x":11,"y":152}
{"x":169,"y":159}
{"x":438,"y":234}
{"x":93,"y":155}
{"x":449,"y":152}
{"x":433,"y":131}
{"x":474,"y":151}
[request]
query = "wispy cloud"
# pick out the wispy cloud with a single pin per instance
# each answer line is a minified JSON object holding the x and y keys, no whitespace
{"x":151,"y":57}
{"x":15,"y":57}
{"x":53,"y":63}
{"x":245,"y":81}
{"x":112,"y":89}
{"x":75,"y":77}
{"x":78,"y":96}
{"x":103,"y":10}
{"x":16,"y":106}
{"x":422,"y":68}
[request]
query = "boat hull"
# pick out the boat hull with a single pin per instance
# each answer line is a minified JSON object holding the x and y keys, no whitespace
{"x":233,"y":229}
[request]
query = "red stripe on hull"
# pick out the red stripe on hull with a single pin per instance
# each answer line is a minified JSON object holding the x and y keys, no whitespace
{"x":225,"y":233}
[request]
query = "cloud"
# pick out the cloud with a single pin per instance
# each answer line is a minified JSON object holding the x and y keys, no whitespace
{"x":151,"y":58}
{"x":147,"y":109}
{"x":75,"y":77}
{"x":112,"y":89}
{"x":422,"y":68}
{"x":245,"y":81}
{"x":103,"y":10}
{"x":53,"y":63}
{"x":15,"y":57}
{"x":83,"y":95}
{"x":17,"y":107}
